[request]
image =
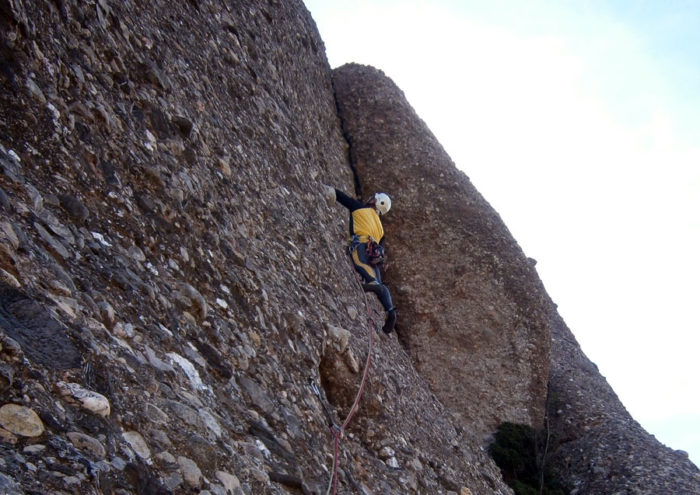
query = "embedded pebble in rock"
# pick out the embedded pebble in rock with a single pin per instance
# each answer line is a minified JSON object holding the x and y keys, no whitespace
{"x":156,"y":362}
{"x":138,"y":444}
{"x":123,"y":330}
{"x":195,"y":299}
{"x":189,"y":369}
{"x":8,"y":437}
{"x":230,"y":482}
{"x":166,"y":458}
{"x":172,"y":481}
{"x":260,"y":476}
{"x":210,"y":422}
{"x":388,"y":455}
{"x":8,"y":236}
{"x":386,"y":452}
{"x":339,"y":338}
{"x":351,"y":362}
{"x":190,"y":472}
{"x":21,"y":420}
{"x":6,"y":377}
{"x":155,"y":414}
{"x":35,"y":449}
{"x":107,"y":314}
{"x":86,"y":399}
{"x":9,"y":279}
{"x":74,"y":207}
{"x":87,"y":443}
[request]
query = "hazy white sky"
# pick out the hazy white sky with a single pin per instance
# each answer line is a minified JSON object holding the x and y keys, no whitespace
{"x":580,"y":123}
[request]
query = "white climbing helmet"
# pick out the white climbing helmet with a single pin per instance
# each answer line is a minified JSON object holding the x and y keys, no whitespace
{"x":382,"y":202}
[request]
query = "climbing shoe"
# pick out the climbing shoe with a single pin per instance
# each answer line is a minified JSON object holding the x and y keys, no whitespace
{"x":372,"y":287}
{"x":390,"y":321}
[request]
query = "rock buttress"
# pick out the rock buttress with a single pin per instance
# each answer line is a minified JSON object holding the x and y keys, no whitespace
{"x":169,"y":269}
{"x":470,"y":304}
{"x":597,"y":446}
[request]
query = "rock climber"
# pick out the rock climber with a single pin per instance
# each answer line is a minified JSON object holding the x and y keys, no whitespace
{"x":367,"y":244}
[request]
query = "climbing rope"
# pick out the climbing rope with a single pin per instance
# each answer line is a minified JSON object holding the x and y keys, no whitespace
{"x":337,"y":432}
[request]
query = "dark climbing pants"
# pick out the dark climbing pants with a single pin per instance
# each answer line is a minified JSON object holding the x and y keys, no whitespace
{"x":370,"y":273}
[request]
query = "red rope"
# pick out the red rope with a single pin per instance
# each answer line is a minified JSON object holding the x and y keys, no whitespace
{"x":355,"y":406}
{"x":338,"y":432}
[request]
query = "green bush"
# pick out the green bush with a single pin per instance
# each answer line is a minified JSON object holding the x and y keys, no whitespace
{"x":518,"y":451}
{"x":521,"y":488}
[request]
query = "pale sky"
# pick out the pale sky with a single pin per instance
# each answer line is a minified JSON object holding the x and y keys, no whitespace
{"x":580,"y":123}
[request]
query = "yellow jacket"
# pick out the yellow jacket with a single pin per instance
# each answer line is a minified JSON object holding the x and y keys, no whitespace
{"x":364,"y":219}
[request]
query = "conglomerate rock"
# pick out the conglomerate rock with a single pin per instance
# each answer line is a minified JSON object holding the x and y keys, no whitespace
{"x":474,"y":316}
{"x":597,"y":446}
{"x":471,"y":306}
{"x":171,"y":278}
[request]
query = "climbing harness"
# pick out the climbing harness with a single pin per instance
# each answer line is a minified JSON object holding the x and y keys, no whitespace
{"x":335,"y":430}
{"x":375,"y":253}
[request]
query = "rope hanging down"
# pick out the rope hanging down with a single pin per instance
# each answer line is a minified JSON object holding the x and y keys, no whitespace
{"x":335,"y":430}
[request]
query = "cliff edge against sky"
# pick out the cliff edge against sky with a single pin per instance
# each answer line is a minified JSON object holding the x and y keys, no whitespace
{"x":171,"y":279}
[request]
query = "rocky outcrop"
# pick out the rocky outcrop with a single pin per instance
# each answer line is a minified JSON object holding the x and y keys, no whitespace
{"x":597,"y":446}
{"x":472,"y":310}
{"x":171,"y":279}
{"x":170,"y":275}
{"x":474,"y":316}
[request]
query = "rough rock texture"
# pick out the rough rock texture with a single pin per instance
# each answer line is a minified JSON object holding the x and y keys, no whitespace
{"x":473,"y":314}
{"x":598,"y":447}
{"x":472,"y":310}
{"x":170,"y":275}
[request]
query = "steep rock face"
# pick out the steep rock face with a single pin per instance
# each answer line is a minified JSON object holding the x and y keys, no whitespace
{"x":597,"y":446}
{"x":473,"y":314}
{"x":170,"y":275}
{"x":471,"y":306}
